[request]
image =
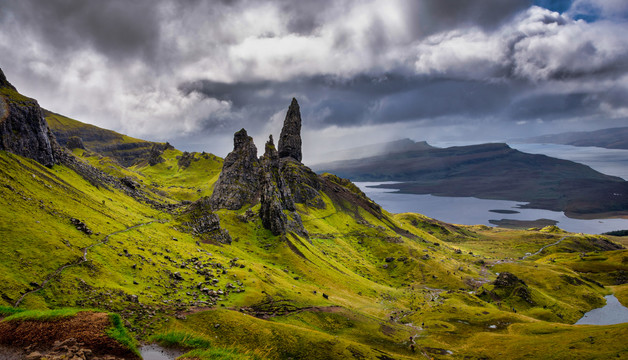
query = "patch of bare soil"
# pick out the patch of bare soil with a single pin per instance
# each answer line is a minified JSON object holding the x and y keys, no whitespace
{"x":84,"y":333}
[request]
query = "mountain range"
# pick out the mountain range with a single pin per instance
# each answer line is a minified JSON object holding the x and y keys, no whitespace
{"x":615,"y":138}
{"x":108,"y":246}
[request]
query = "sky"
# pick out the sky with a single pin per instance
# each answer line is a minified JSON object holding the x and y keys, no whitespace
{"x":194,"y":72}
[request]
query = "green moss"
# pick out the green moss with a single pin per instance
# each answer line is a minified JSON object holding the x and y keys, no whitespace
{"x":180,"y":339}
{"x":43,"y":315}
{"x":118,"y":332}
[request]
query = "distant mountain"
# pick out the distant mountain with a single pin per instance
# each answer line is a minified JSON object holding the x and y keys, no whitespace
{"x":391,"y":147}
{"x":615,"y":138}
{"x":493,"y":171}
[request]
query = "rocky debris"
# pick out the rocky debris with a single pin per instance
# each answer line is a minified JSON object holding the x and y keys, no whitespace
{"x":185,"y":160}
{"x":204,"y":223}
{"x":80,"y":337}
{"x":67,"y":349}
{"x":80,"y":226}
{"x":248,"y":216}
{"x":508,"y":284}
{"x":238,"y":183}
{"x":23,"y":129}
{"x":130,"y":183}
{"x":507,"y":280}
{"x":154,"y":155}
{"x":75,"y":142}
{"x":290,"y":138}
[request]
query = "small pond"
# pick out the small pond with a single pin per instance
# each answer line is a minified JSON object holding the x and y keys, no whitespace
{"x":611,"y":313}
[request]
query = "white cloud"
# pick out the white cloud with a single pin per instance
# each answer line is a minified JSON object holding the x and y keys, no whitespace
{"x":539,"y":45}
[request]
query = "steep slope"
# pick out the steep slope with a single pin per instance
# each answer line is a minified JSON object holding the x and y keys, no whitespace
{"x":493,"y":171}
{"x":615,"y":138}
{"x":124,"y":149}
{"x":352,"y":281}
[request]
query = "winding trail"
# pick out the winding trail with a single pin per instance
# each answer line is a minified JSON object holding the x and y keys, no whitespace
{"x":79,"y":262}
{"x":545,"y":247}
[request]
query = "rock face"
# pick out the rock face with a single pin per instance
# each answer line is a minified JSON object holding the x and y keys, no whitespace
{"x":290,"y":138}
{"x":275,"y":195}
{"x":23,"y":130}
{"x":75,"y":142}
{"x":238,"y":183}
{"x":202,"y":222}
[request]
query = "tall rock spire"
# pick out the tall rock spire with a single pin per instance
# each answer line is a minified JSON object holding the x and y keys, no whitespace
{"x":290,"y":138}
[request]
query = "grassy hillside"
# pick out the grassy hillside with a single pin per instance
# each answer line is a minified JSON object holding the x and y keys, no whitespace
{"x":124,"y":149}
{"x":361,"y":286}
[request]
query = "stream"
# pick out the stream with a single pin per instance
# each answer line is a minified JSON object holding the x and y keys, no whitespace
{"x":611,"y":313}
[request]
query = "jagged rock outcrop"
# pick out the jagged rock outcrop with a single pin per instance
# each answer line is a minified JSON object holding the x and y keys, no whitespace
{"x":202,"y":222}
{"x":277,"y":206}
{"x":75,"y":142}
{"x":290,"y":138}
{"x":238,"y":183}
{"x":23,"y":130}
{"x":154,"y":155}
{"x":275,"y":195}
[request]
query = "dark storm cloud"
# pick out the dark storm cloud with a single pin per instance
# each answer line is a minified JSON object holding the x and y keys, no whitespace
{"x":362,"y":99}
{"x":118,"y":28}
{"x":165,"y":69}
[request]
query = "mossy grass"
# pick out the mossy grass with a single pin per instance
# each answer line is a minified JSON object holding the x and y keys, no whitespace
{"x":9,"y":310}
{"x":362,"y":282}
{"x":43,"y":315}
{"x":118,"y":332}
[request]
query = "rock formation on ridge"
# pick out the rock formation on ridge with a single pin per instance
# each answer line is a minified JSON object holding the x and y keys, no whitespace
{"x":238,"y":183}
{"x":275,"y":197}
{"x":290,"y":138}
{"x":23,"y":130}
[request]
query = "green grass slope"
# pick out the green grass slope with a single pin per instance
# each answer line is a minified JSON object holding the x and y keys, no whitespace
{"x":364,"y":285}
{"x":124,"y":149}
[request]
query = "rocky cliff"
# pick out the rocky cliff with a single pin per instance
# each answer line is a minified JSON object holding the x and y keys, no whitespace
{"x":277,"y":211}
{"x":238,"y":183}
{"x":23,"y":130}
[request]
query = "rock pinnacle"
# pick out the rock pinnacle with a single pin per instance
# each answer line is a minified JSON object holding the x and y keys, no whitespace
{"x":290,"y":138}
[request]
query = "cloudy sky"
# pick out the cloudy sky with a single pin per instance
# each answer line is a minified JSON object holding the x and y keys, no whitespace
{"x":193,"y":72}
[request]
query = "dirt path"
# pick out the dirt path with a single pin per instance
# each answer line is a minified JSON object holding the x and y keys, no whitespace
{"x":79,"y":262}
{"x":545,"y":247}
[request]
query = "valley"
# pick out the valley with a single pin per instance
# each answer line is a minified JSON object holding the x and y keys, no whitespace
{"x":252,"y":257}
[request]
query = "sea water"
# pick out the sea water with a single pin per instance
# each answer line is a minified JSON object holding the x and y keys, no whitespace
{"x":474,"y":211}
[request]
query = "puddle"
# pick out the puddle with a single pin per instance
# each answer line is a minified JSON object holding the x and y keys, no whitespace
{"x":156,"y":352}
